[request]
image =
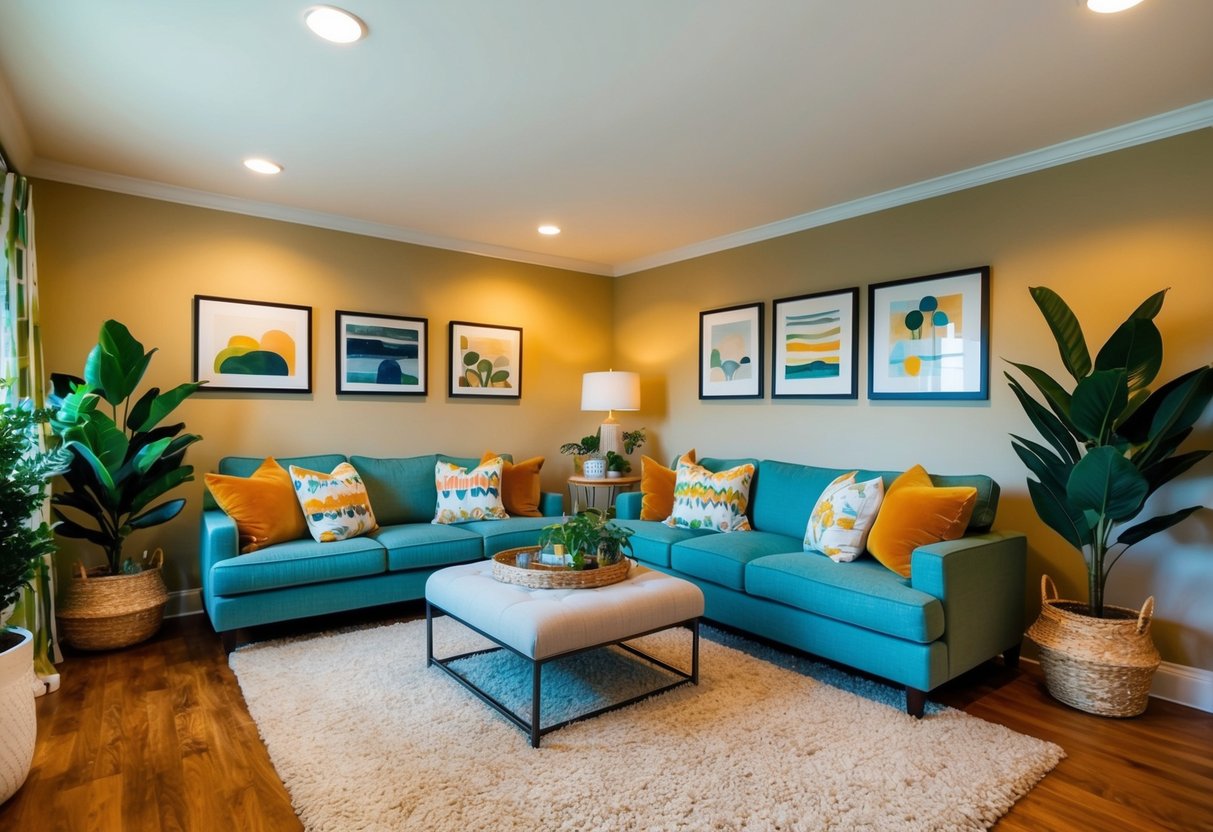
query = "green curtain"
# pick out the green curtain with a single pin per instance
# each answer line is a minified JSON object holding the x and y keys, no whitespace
{"x":21,"y":361}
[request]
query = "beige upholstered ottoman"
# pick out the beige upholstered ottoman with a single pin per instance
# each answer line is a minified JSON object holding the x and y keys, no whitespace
{"x":541,"y":625}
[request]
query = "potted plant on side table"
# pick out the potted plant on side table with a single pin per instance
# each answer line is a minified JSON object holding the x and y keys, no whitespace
{"x":124,"y":459}
{"x":24,"y":472}
{"x":1112,"y":442}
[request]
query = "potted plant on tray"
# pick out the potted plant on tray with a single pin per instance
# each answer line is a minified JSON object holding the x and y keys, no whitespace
{"x":124,"y":459}
{"x":24,"y":472}
{"x":1111,"y":443}
{"x":588,"y":539}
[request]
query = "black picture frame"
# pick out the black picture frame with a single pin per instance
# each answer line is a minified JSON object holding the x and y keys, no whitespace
{"x":730,"y":352}
{"x":470,"y":345}
{"x":381,"y":355}
{"x":815,"y":345}
{"x":243,"y":346}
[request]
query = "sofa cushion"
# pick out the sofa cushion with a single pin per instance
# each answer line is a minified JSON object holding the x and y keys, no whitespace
{"x":296,"y":563}
{"x":842,"y":518}
{"x":652,"y":539}
{"x":423,"y":545}
{"x":466,"y":494}
{"x":244,"y":466}
{"x":520,"y":489}
{"x":262,"y":504}
{"x":707,"y":500}
{"x":916,"y":513}
{"x":335,"y":505}
{"x":984,"y":509}
{"x":657,"y":486}
{"x":401,"y":489}
{"x":500,"y":535}
{"x":721,"y":558}
{"x":785,"y":493}
{"x":863,"y":593}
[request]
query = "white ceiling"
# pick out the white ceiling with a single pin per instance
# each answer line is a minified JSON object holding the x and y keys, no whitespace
{"x":650,"y":130}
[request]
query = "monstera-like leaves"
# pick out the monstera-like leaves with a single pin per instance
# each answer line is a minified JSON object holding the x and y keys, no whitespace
{"x":118,"y":470}
{"x":1111,"y":442}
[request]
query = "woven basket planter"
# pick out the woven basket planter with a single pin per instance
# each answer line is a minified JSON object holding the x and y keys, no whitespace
{"x":1099,"y":665}
{"x":113,"y":611}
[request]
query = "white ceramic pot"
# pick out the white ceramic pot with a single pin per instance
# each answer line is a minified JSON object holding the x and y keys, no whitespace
{"x":593,"y":468}
{"x":18,"y":719}
{"x":614,"y":475}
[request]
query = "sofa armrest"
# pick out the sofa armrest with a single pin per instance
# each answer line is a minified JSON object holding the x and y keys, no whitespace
{"x":218,"y":541}
{"x":551,"y":504}
{"x":627,"y":505}
{"x":980,"y":580}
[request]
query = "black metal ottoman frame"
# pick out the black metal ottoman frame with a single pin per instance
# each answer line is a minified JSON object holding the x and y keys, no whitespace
{"x":533,"y":728}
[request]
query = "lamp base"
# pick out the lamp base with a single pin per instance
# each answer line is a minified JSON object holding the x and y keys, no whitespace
{"x":611,"y":437}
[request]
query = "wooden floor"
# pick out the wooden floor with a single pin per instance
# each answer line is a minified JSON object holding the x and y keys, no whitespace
{"x":157,"y":737}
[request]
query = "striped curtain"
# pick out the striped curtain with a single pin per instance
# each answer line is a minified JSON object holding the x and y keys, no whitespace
{"x":21,"y":362}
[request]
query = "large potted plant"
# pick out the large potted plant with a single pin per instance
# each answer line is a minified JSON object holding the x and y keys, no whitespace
{"x":1111,"y":442}
{"x":24,"y":472}
{"x":124,"y":459}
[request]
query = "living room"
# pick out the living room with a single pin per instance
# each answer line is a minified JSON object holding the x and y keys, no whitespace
{"x":1105,"y":228}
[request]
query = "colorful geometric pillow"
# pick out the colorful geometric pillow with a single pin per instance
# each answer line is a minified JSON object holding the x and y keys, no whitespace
{"x":335,"y":506}
{"x":842,"y":518}
{"x":520,"y":490}
{"x":657,"y":487}
{"x":465,"y":495}
{"x":263,"y":505}
{"x":703,"y":500}
{"x":916,"y":513}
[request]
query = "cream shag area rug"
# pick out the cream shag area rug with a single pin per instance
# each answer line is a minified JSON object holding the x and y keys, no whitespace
{"x":366,"y":737}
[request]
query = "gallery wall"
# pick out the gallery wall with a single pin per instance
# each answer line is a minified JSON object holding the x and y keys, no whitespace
{"x":103,"y":255}
{"x":1105,"y":233}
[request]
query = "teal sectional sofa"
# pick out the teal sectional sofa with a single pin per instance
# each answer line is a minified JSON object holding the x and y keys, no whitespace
{"x":302,"y":578}
{"x":962,"y":604}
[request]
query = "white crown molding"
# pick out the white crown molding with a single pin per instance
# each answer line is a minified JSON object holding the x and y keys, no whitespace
{"x":1173,"y":123}
{"x":73,"y":175}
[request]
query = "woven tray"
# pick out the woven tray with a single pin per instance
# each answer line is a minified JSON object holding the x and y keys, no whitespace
{"x":543,"y":576}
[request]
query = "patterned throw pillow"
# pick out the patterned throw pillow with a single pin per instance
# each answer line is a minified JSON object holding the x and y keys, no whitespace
{"x":335,"y":506}
{"x":465,"y":495}
{"x":703,"y":500}
{"x":843,"y":516}
{"x":263,"y":505}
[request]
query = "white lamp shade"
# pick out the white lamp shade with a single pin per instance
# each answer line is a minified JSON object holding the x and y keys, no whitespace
{"x":610,"y":391}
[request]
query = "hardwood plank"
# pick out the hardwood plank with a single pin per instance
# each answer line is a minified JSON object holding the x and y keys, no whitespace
{"x":158,"y":737}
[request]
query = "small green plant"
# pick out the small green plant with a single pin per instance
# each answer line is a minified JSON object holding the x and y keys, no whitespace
{"x":617,"y":462}
{"x":586,"y":537}
{"x":588,"y":445}
{"x":633,"y":439}
{"x":24,"y":472}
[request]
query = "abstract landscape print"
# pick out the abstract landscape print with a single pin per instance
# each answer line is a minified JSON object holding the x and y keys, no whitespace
{"x":485,"y":360}
{"x":815,"y":344}
{"x":730,"y":352}
{"x":251,"y":345}
{"x":927,"y":336}
{"x":381,"y":354}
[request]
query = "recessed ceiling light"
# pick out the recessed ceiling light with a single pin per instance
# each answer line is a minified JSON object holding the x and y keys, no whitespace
{"x":333,"y":24}
{"x":1111,"y":6}
{"x":549,"y":230}
{"x":263,"y":166}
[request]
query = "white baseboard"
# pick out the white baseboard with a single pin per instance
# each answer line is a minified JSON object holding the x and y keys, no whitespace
{"x":1178,"y":683}
{"x":185,"y":602}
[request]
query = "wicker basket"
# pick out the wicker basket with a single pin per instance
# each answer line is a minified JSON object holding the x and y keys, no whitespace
{"x":539,"y":576}
{"x":113,"y":611}
{"x":1099,"y":665}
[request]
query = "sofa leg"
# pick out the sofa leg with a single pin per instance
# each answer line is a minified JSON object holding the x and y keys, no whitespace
{"x":916,"y":702}
{"x":231,"y":640}
{"x":1010,"y":657}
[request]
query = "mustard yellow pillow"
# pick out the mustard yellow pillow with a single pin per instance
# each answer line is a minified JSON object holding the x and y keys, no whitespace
{"x":657,"y":487}
{"x":520,"y":489}
{"x":263,"y":505}
{"x":916,"y":513}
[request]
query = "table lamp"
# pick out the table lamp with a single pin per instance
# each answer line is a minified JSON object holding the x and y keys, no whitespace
{"x":610,"y":391}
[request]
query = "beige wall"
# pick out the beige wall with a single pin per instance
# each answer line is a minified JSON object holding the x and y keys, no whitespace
{"x":102,"y":255}
{"x":1104,"y":233}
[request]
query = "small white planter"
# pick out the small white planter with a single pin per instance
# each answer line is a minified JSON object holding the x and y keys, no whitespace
{"x":594,"y":469}
{"x":18,"y":719}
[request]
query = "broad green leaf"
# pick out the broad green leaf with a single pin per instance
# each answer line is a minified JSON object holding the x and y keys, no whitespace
{"x":1105,"y":482}
{"x":162,"y":405}
{"x":67,"y":527}
{"x":1059,"y":515}
{"x":100,"y":472}
{"x":1049,"y":468}
{"x":128,"y":356}
{"x":1066,"y":331}
{"x":1136,"y":346}
{"x":1169,"y":468}
{"x":1172,"y":408}
{"x":148,"y":455}
{"x":155,"y":516}
{"x":1151,"y":306}
{"x":1056,"y":396}
{"x":1138,"y":533}
{"x":159,"y":487}
{"x":105,"y":439}
{"x":1098,"y":400}
{"x":1049,"y":426}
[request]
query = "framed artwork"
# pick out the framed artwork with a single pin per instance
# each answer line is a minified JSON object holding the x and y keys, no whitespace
{"x":928,"y":337}
{"x":815,"y":346}
{"x":730,"y":352}
{"x":248,"y":345}
{"x":486,"y":361}
{"x":381,"y":354}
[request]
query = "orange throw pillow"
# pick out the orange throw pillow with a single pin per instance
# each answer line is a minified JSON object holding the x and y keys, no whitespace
{"x":263,"y":505}
{"x":520,"y":489}
{"x":657,"y":487}
{"x":916,"y":513}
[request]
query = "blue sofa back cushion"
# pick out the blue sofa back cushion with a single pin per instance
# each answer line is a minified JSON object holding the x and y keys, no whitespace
{"x":244,"y":466}
{"x":401,"y":489}
{"x":784,"y":493}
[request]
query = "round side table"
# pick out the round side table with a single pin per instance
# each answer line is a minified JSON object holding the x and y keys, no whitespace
{"x":585,"y":489}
